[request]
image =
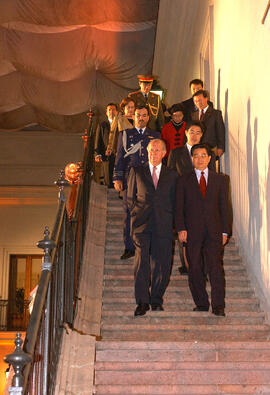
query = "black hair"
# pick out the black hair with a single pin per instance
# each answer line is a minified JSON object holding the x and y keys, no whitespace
{"x":141,"y":107}
{"x":201,"y":146}
{"x":196,"y":81}
{"x":201,"y":92}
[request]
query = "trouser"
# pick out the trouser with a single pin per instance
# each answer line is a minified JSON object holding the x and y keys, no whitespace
{"x":126,"y":229}
{"x":210,"y":251}
{"x":153,"y":256}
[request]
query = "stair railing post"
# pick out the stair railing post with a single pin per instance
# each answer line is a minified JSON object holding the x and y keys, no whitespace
{"x":62,"y":183}
{"x":18,"y":359}
{"x":47,"y":245}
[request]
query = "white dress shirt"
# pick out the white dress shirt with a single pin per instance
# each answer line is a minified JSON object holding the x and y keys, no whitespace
{"x":142,"y":129}
{"x":158,"y":169}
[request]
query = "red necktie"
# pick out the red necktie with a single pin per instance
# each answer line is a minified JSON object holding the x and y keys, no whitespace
{"x":202,"y":184}
{"x":154,"y":177}
{"x":201,"y":115}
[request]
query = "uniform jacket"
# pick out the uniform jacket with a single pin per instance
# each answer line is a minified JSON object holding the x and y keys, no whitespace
{"x":151,"y":209}
{"x":124,"y":159}
{"x":156,"y":117}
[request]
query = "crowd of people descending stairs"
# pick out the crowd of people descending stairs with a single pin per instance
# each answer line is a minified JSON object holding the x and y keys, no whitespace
{"x":175,"y":219}
{"x":166,"y":174}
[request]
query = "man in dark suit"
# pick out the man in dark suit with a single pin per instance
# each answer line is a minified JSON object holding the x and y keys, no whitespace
{"x":180,"y":160}
{"x":101,"y":142}
{"x":202,"y":221}
{"x":151,"y":197}
{"x":131,"y":151}
{"x":212,"y":119}
{"x":195,"y":85}
{"x":145,"y":97}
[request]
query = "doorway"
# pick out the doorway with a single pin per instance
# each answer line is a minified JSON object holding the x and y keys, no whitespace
{"x":24,"y":275}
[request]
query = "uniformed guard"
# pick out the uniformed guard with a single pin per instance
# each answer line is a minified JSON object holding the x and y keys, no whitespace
{"x":131,"y":151}
{"x":152,"y":100}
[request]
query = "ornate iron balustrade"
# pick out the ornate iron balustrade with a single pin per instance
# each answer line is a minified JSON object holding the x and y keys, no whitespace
{"x":55,"y":301}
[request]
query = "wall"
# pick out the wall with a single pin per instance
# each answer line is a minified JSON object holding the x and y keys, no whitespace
{"x":240,"y":61}
{"x":36,"y":157}
{"x":24,"y":213}
{"x":180,"y":28}
{"x":242,"y":64}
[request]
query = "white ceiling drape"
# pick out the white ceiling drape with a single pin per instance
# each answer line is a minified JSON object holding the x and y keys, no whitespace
{"x":58,"y":57}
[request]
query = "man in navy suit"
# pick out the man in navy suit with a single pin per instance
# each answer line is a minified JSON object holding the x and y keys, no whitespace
{"x":151,"y":198}
{"x":131,"y":151}
{"x":202,"y":221}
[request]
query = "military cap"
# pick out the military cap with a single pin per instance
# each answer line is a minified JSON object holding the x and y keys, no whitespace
{"x":145,"y":78}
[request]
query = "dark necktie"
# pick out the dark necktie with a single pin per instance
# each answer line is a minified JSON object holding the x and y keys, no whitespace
{"x":140,"y":131}
{"x":203,"y":184}
{"x":154,"y":177}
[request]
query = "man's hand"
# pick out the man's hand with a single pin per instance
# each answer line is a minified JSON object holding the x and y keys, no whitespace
{"x":219,"y":152}
{"x":224,"y":239}
{"x":182,"y":236}
{"x":98,"y":158}
{"x":118,"y":185}
{"x":108,"y":152}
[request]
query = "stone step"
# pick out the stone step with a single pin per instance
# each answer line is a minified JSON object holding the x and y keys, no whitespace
{"x":229,"y":274}
{"x":114,"y":255}
{"x":190,"y":368}
{"x":186,"y":376}
{"x":174,"y":292}
{"x":186,"y":333}
{"x":183,"y":389}
{"x":178,"y":282}
{"x":190,"y":318}
{"x":232,"y":305}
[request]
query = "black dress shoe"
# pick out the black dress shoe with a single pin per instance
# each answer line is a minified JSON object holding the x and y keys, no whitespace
{"x":127,"y":254}
{"x":141,"y":309}
{"x":201,"y":308}
{"x":157,"y":307}
{"x":183,"y":270}
{"x":219,"y":311}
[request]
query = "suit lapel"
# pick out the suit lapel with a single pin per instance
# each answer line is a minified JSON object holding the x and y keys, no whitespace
{"x":162,"y":175}
{"x":148,"y":174}
{"x":196,"y":185}
{"x":208,"y":113}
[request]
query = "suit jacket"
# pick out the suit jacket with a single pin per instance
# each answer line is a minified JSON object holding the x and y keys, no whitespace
{"x":102,"y":139}
{"x":214,"y":134}
{"x":151,"y":209}
{"x":180,"y":160}
{"x":199,"y":215}
{"x":156,"y":116}
{"x":190,"y":107}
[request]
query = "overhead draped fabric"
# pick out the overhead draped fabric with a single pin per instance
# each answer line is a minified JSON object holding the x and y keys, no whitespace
{"x":59,"y":57}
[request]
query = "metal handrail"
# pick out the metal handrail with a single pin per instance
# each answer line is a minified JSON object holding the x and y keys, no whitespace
{"x":56,"y":296}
